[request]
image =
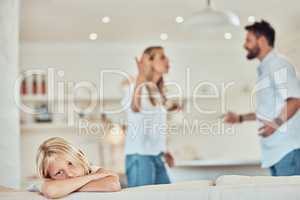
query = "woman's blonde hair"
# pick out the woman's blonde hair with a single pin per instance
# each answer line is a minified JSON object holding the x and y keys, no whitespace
{"x":149,"y":72}
{"x":59,"y":146}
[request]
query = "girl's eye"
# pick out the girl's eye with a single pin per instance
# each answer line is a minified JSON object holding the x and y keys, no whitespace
{"x":59,"y":173}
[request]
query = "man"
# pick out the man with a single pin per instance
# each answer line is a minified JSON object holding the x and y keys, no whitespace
{"x":277,"y":103}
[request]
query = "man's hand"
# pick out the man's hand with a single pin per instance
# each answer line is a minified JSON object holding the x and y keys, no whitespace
{"x":268,"y":129}
{"x":169,"y":159}
{"x":231,"y":118}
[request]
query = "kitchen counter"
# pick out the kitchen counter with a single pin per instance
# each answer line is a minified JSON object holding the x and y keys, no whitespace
{"x":191,"y":163}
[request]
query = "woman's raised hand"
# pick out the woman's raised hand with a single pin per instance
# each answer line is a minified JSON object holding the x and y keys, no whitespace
{"x":141,"y":63}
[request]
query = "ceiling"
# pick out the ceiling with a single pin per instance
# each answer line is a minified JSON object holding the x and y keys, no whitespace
{"x":139,"y":20}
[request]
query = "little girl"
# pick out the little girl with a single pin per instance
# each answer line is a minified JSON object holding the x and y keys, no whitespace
{"x":65,"y":169}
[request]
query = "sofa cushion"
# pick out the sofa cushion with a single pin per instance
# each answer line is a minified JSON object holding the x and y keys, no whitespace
{"x":20,"y":195}
{"x":246,"y":180}
{"x":256,"y":192}
{"x":193,"y":190}
{"x":175,"y":186}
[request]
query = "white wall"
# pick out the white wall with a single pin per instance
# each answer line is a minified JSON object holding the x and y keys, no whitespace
{"x":9,"y":116}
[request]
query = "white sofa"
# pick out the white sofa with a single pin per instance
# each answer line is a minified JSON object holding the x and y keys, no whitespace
{"x":224,"y":188}
{"x":256,"y":188}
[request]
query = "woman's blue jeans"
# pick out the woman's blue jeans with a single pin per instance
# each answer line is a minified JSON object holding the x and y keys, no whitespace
{"x":145,"y":170}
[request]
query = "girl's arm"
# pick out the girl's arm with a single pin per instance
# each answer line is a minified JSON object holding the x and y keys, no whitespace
{"x":59,"y":188}
{"x":110,"y":183}
{"x":107,"y":184}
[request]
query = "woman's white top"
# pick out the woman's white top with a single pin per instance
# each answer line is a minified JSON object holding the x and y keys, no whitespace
{"x":146,"y":129}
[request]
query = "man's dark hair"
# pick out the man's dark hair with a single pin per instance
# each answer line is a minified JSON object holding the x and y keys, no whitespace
{"x":263,"y":28}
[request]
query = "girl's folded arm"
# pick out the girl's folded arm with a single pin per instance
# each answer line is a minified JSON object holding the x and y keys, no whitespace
{"x":107,"y":184}
{"x":60,"y":188}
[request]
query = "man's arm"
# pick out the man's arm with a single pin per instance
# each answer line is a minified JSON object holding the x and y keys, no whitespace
{"x":248,"y":117}
{"x":234,"y":118}
{"x":288,"y":111}
{"x":290,"y":91}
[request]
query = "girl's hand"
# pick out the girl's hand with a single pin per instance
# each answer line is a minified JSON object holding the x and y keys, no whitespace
{"x":102,"y":173}
{"x":103,"y":181}
{"x":99,"y":175}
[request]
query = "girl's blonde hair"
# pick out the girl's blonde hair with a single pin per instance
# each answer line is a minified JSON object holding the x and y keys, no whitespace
{"x":149,"y":72}
{"x":59,"y":146}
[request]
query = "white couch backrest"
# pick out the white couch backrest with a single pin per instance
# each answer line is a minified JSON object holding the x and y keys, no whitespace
{"x":256,"y":180}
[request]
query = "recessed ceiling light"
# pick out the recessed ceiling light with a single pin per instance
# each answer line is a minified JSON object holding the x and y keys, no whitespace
{"x":179,"y":19}
{"x":227,"y":36}
{"x":164,"y":36}
{"x":93,"y":36}
{"x":251,"y":19}
{"x":106,"y":20}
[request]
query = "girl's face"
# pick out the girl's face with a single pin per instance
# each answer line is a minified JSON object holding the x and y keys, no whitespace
{"x":160,"y":62}
{"x":62,"y":168}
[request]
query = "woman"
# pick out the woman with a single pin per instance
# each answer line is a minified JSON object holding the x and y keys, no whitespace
{"x":147,"y":121}
{"x":65,"y":169}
